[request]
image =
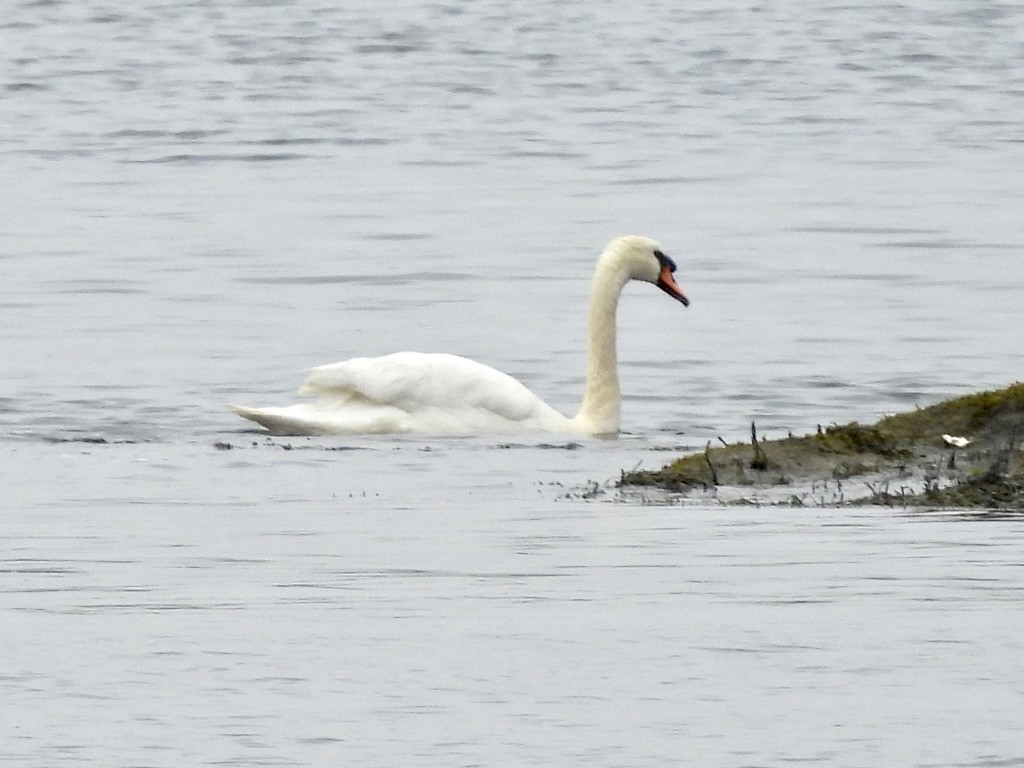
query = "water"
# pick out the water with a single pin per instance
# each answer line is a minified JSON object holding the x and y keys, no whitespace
{"x":201,"y":200}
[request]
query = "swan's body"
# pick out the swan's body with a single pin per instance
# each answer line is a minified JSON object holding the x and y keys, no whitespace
{"x":411,"y":392}
{"x":448,"y":394}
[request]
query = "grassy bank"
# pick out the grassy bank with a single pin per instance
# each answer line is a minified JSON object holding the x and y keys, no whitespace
{"x":911,"y":459}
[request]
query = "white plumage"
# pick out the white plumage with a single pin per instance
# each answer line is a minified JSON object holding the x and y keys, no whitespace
{"x":410,"y":392}
{"x":416,"y":392}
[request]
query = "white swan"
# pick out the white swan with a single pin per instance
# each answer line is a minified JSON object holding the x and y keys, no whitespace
{"x":448,"y":394}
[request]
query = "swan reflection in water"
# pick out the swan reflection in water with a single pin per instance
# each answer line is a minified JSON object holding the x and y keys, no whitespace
{"x":437,"y":393}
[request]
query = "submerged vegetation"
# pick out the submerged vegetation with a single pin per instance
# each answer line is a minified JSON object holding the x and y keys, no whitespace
{"x":967,"y":452}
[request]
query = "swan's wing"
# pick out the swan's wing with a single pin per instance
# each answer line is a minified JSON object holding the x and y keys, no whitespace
{"x":414,"y":382}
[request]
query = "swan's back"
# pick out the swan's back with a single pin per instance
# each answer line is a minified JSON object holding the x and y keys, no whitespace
{"x":410,"y":392}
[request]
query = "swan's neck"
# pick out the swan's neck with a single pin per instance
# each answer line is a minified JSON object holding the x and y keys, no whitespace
{"x":599,"y":411}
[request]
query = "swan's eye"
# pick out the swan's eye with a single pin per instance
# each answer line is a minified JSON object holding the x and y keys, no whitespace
{"x":665,"y":261}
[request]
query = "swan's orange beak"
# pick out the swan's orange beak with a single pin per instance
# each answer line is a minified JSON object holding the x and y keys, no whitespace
{"x":667,"y":283}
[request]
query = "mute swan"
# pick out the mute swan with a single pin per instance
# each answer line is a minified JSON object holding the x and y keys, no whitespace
{"x":448,"y":394}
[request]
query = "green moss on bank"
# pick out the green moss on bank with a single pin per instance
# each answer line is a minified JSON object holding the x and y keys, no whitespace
{"x":980,"y":416}
{"x":901,"y":458}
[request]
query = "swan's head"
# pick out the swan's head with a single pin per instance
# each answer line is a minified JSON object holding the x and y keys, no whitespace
{"x":644,"y":260}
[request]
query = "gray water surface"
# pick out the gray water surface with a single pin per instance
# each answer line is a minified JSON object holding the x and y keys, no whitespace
{"x":201,"y":200}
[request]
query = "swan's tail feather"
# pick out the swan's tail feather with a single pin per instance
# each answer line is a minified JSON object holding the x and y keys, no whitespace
{"x":278,"y":420}
{"x":323,"y":418}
